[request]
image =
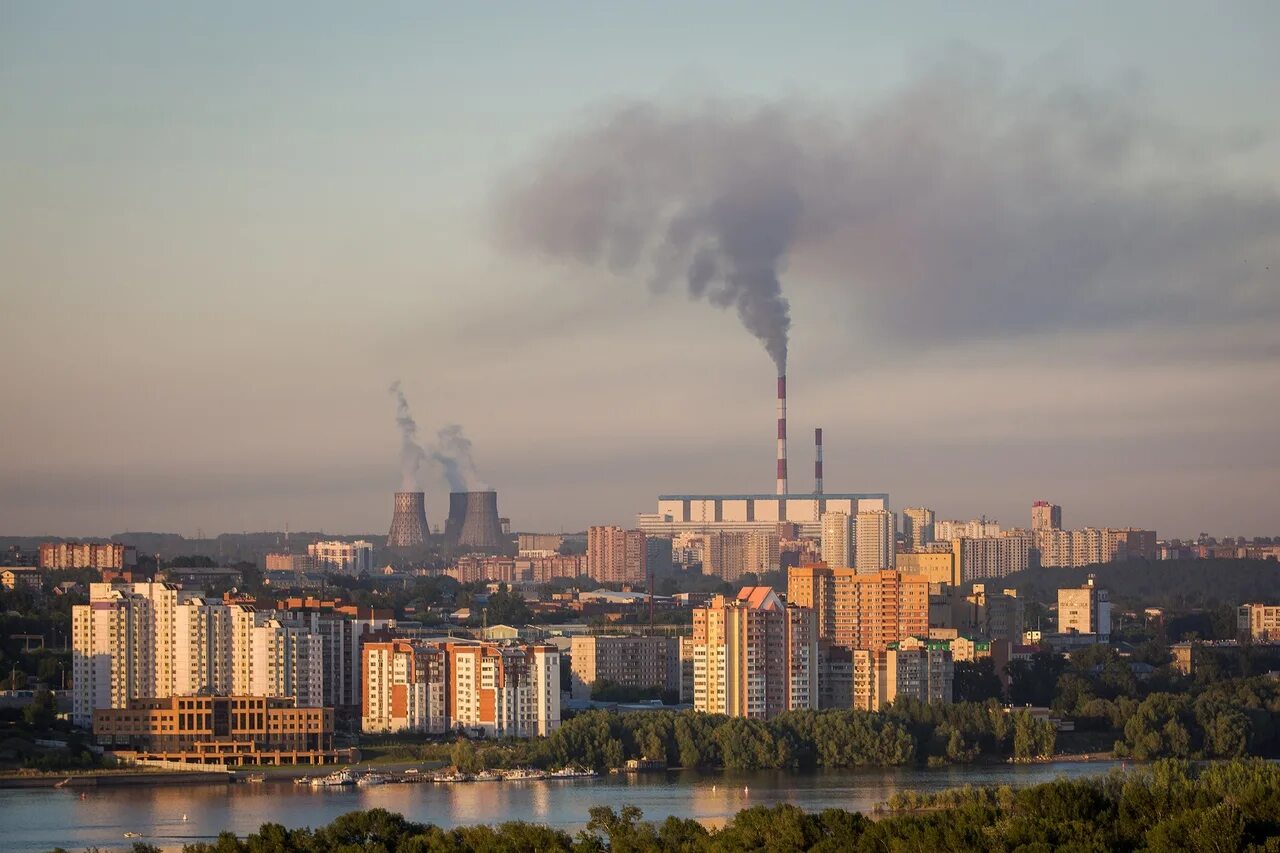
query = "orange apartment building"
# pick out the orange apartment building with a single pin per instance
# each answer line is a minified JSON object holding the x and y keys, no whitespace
{"x":861,"y":611}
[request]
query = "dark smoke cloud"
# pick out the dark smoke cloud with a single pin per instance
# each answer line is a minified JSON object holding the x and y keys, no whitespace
{"x":411,"y":453}
{"x":966,"y":205}
{"x":452,"y":451}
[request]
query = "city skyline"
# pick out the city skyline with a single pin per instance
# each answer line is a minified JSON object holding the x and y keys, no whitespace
{"x":224,"y":242}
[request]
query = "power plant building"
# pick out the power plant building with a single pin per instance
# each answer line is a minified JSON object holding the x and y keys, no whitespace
{"x":742,"y":513}
{"x":474,"y":524}
{"x":409,"y":521}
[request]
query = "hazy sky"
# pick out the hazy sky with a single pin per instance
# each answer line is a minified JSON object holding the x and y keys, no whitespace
{"x":1033,"y":252}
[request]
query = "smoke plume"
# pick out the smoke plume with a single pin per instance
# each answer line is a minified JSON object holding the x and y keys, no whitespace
{"x":452,"y":451}
{"x":411,"y":453}
{"x":967,"y":205}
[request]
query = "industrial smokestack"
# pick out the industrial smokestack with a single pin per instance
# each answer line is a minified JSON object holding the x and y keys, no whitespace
{"x":409,"y":522}
{"x":473,"y":523}
{"x":817,"y":461}
{"x":782,"y":435}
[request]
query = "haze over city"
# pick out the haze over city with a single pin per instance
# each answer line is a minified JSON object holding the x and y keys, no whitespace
{"x":1020,"y":262}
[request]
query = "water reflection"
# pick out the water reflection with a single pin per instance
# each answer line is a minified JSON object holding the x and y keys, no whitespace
{"x":37,"y":820}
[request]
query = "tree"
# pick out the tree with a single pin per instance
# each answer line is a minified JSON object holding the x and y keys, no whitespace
{"x":42,"y":713}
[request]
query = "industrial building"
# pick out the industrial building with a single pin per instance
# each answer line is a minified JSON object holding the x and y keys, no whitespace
{"x":678,"y":514}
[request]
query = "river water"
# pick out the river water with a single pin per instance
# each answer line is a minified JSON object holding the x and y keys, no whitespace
{"x":41,"y":819}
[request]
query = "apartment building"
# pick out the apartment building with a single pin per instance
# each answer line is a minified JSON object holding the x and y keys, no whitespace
{"x":405,"y":687}
{"x":615,"y":555}
{"x":991,"y":556}
{"x":342,"y":628}
{"x":837,"y":539}
{"x":912,"y":669}
{"x":861,"y":611}
{"x":625,"y":660}
{"x":917,"y":527}
{"x":503,"y":691}
{"x":753,"y":657}
{"x":724,"y":555}
{"x":936,"y":566}
{"x":87,"y":555}
{"x":343,"y":558}
{"x":875,"y":540}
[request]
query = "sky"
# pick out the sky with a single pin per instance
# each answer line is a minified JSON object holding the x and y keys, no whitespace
{"x":1027,"y":251}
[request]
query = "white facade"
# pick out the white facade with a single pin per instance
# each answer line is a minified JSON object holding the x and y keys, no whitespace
{"x":1085,"y":610}
{"x":837,"y":539}
{"x":874,"y":541}
{"x":112,"y":653}
{"x":917,"y":527}
{"x":287,"y":662}
{"x":741,"y":513}
{"x":978,"y":528}
{"x":344,"y":558}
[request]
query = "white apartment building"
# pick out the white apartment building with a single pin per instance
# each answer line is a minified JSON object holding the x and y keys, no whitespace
{"x":917,"y":527}
{"x":978,"y":528}
{"x":405,"y":687}
{"x":874,"y":541}
{"x":344,"y":558}
{"x":504,"y":691}
{"x":112,"y":657}
{"x":151,"y":640}
{"x":837,"y":539}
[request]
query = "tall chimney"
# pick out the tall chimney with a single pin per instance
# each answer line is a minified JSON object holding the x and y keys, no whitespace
{"x":817,"y":461}
{"x":782,"y":435}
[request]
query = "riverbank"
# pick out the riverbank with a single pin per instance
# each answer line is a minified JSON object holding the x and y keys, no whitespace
{"x":111,"y":778}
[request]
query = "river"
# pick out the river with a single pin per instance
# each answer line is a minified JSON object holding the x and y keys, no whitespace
{"x":41,"y":819}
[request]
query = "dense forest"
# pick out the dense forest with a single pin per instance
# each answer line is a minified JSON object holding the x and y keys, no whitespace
{"x":905,"y":734}
{"x":1170,"y":806}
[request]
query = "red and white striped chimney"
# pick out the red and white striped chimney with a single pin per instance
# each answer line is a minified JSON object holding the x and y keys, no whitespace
{"x":782,"y":435}
{"x":817,"y":461}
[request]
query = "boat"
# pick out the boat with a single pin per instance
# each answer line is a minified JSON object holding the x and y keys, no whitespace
{"x":256,"y":777}
{"x":572,"y":771}
{"x":524,"y":774}
{"x":133,"y":835}
{"x":371,"y":779}
{"x":337,"y":779}
{"x":451,"y":777}
{"x":487,"y":776}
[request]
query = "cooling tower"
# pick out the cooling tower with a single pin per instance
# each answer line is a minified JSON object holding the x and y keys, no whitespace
{"x":473,"y":523}
{"x":409,"y":523}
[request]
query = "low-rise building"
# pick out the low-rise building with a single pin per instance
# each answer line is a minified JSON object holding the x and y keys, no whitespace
{"x":21,"y":578}
{"x":1258,"y":621}
{"x":236,"y":730}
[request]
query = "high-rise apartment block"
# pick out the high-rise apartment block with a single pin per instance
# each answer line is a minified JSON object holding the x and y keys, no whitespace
{"x":342,"y":629}
{"x":87,"y":555}
{"x":978,"y":528}
{"x":405,"y":687}
{"x":1085,"y":610}
{"x":1086,"y":547}
{"x":503,"y":691}
{"x":875,"y":534}
{"x":754,"y":657}
{"x":724,"y":555}
{"x":615,"y":555}
{"x":624,"y":660}
{"x":342,"y":558}
{"x":991,"y":556}
{"x":1046,"y":516}
{"x":917,"y":527}
{"x":539,"y":543}
{"x":153,"y":641}
{"x":861,"y":611}
{"x":837,"y":539}
{"x":912,"y":669}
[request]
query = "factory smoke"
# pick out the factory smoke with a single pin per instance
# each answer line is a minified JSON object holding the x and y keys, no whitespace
{"x":452,"y":451}
{"x":969,"y":204}
{"x":411,"y":453}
